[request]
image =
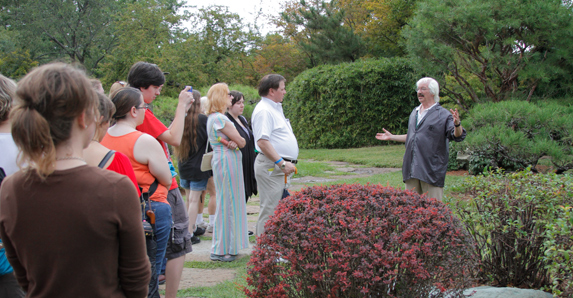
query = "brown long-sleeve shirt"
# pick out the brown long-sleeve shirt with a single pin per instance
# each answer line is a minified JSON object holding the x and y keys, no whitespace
{"x":77,"y":234}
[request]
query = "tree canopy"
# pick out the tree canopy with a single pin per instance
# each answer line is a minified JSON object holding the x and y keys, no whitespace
{"x":508,"y":46}
{"x":323,"y":35}
{"x":79,"y":30}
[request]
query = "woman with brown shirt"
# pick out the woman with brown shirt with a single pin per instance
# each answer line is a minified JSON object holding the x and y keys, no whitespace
{"x":69,"y":229}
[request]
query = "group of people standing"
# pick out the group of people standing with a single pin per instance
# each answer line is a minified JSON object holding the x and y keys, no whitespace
{"x":91,"y":206}
{"x":92,"y":177}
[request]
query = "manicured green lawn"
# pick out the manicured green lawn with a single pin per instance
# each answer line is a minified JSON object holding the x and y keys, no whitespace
{"x":227,"y":289}
{"x":379,"y":156}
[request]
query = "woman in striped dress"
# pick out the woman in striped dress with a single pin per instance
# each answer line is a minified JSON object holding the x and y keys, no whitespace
{"x":230,"y":233}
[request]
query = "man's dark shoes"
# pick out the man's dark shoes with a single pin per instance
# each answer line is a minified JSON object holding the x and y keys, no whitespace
{"x":195,"y":240}
{"x":199,"y":231}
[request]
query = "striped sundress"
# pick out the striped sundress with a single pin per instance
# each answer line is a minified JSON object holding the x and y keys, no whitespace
{"x":230,"y":233}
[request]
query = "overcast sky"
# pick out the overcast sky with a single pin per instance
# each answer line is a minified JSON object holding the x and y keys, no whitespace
{"x":247,"y":9}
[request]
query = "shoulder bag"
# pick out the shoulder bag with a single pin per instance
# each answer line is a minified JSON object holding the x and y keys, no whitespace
{"x":206,"y":160}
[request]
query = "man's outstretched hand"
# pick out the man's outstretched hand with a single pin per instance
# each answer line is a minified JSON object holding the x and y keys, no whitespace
{"x":385,"y":136}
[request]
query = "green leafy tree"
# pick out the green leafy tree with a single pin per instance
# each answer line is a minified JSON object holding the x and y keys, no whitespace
{"x":380,"y":23}
{"x":510,"y":46}
{"x":226,"y":45}
{"x":323,"y":36}
{"x":15,"y":62}
{"x":79,"y":30}
{"x":146,"y":31}
{"x":278,"y":54}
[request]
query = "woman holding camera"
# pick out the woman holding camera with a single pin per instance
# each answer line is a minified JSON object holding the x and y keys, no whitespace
{"x":68,"y":228}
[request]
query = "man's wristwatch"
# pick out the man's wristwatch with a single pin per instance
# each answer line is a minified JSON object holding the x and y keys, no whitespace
{"x":457,"y":125}
{"x":283,"y":165}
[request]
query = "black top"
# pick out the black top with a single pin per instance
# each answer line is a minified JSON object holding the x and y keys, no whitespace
{"x":190,"y":169}
{"x":249,"y":155}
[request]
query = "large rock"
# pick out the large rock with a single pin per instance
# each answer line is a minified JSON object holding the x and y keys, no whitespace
{"x":493,"y":292}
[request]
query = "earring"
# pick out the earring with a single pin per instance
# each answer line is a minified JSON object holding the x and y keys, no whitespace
{"x":85,"y":126}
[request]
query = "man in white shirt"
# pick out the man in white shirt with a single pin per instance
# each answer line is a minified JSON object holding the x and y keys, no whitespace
{"x":276,"y":142}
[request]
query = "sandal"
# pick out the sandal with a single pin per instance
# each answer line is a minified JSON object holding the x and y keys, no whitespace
{"x":215,"y":257}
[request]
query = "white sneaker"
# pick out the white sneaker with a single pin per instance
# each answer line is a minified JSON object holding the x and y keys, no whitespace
{"x":203,"y":225}
{"x":209,"y":228}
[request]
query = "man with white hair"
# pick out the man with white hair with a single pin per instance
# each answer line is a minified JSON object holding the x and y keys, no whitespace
{"x":430,"y":128}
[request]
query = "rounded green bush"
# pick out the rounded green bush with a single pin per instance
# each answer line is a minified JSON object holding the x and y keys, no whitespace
{"x":345,"y":105}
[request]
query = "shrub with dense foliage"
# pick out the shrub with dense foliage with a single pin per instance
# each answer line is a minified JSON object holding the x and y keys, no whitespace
{"x":361,"y":241}
{"x":345,"y":105}
{"x":516,"y":134}
{"x":509,"y":217}
{"x":559,"y":253}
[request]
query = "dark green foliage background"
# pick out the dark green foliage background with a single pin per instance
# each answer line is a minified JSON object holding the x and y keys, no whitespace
{"x":345,"y":105}
{"x":516,"y":134}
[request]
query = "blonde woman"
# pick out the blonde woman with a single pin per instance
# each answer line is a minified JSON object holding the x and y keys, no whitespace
{"x":230,"y":233}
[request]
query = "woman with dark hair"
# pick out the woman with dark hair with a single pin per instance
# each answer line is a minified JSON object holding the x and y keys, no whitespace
{"x":189,"y":155}
{"x":149,"y":164}
{"x":234,"y":113}
{"x":68,"y":228}
{"x":98,"y":155}
{"x":230,"y":231}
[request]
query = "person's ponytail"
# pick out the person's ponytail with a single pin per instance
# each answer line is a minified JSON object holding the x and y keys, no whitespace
{"x":31,"y":133}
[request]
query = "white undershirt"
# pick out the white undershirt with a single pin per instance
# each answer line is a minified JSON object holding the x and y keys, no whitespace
{"x":422,"y":114}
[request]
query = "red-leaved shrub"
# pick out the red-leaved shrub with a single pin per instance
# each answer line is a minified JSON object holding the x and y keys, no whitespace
{"x":360,"y":241}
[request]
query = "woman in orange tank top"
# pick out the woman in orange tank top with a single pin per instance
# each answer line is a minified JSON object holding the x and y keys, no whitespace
{"x":149,"y":164}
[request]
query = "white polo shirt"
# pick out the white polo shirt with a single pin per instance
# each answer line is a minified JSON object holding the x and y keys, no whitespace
{"x":269,"y":123}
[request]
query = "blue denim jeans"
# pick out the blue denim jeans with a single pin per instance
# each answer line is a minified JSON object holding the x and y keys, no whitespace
{"x":163,"y":223}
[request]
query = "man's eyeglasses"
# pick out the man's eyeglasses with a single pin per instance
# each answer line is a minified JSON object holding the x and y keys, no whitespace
{"x":145,"y":106}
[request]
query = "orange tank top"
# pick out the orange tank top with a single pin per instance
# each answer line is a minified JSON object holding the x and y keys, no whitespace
{"x":125,"y":144}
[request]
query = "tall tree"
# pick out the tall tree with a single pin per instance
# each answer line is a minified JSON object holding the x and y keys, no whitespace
{"x":324,"y":38}
{"x":52,"y":29}
{"x":226,"y":44}
{"x":278,"y":54}
{"x":15,"y":62}
{"x":384,"y":23}
{"x":145,"y":31}
{"x":510,"y":46}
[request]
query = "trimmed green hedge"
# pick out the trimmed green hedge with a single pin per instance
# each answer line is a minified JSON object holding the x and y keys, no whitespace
{"x":515,"y":134}
{"x":345,"y":105}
